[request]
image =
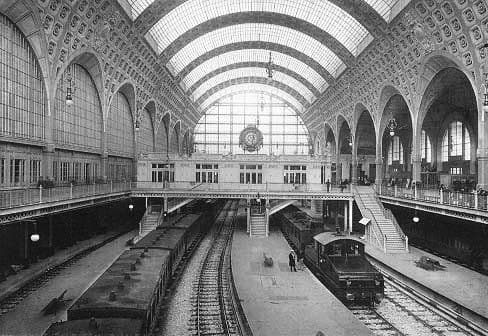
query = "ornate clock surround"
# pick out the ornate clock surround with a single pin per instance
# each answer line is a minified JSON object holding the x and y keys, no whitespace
{"x":251,"y":139}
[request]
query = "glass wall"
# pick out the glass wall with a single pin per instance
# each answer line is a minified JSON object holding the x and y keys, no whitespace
{"x":283,"y":130}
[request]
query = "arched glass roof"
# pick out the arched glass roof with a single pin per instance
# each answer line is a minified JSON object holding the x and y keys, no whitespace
{"x":256,"y":32}
{"x":254,"y":55}
{"x":295,"y":104}
{"x":388,"y":9}
{"x":253,"y":72}
{"x":323,"y":14}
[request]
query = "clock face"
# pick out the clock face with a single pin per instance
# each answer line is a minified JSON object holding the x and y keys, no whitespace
{"x":251,"y":139}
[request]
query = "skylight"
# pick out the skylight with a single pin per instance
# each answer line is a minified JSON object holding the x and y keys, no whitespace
{"x":254,"y":55}
{"x":256,"y":32}
{"x":253,"y":72}
{"x":323,"y":14}
{"x":252,"y":87}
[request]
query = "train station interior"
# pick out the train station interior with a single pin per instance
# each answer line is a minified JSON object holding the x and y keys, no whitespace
{"x":140,"y":133}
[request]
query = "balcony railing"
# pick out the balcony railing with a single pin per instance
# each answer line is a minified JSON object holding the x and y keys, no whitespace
{"x":18,"y":197}
{"x":244,"y":187}
{"x":11,"y":198}
{"x":442,"y":197}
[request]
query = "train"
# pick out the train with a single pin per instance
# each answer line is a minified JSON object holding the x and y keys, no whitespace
{"x":337,"y":259}
{"x":125,"y":298}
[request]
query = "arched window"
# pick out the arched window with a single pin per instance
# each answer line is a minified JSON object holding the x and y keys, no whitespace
{"x":79,"y":124}
{"x":145,"y":134}
{"x":426,"y":147}
{"x":395,"y":151}
{"x":120,"y":132}
{"x":23,"y":96}
{"x":456,"y":144}
{"x":283,"y":130}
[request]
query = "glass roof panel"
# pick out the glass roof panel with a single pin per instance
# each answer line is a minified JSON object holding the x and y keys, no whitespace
{"x":256,"y":32}
{"x":253,"y":72}
{"x":138,"y":6}
{"x":256,"y":55}
{"x":388,"y":9}
{"x":323,"y":14}
{"x":252,"y":87}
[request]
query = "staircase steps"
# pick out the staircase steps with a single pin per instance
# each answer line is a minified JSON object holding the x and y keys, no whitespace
{"x":394,"y":241}
{"x":258,"y":225}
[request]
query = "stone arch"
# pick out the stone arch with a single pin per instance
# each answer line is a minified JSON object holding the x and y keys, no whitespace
{"x":430,"y":67}
{"x":364,"y":127}
{"x":162,"y":133}
{"x":330,"y":144}
{"x":26,"y":16}
{"x":387,"y":92}
{"x":344,"y":134}
{"x":128,"y":89}
{"x":145,"y":135}
{"x":91,"y":62}
{"x":151,"y":107}
{"x":186,"y":143}
{"x":175,"y":138}
{"x":437,"y":108}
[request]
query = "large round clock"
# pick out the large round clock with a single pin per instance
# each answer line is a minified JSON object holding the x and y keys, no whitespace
{"x":251,"y":139}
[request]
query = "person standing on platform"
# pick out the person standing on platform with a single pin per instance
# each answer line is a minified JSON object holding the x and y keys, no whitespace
{"x":291,"y":262}
{"x":328,"y":185}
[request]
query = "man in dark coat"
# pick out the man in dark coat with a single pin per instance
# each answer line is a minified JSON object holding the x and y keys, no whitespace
{"x":291,"y":262}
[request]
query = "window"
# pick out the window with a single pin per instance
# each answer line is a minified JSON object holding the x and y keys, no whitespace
{"x":426,"y":147}
{"x":283,"y":130}
{"x":65,"y":171}
{"x":17,"y":167}
{"x":395,"y":151}
{"x":145,"y":135}
{"x":251,"y":174}
{"x":35,"y":171}
{"x":23,"y":97}
{"x":163,"y":172}
{"x":120,"y":132}
{"x":206,"y":173}
{"x":2,"y":171}
{"x":456,"y":143}
{"x":79,"y":124}
{"x":295,"y":174}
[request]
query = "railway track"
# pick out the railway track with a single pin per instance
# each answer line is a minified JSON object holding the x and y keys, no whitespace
{"x":213,"y":302}
{"x":11,"y":301}
{"x":404,"y":311}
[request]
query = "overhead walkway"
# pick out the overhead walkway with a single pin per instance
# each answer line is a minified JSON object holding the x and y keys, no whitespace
{"x":383,"y":230}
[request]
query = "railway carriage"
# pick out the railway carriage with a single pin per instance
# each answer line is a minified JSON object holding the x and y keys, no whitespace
{"x":340,"y":262}
{"x":124,"y":299}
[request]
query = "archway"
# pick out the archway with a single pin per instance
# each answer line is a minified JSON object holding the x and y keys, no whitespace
{"x":396,"y":141}
{"x":344,"y":150}
{"x":449,"y":132}
{"x":365,"y":139}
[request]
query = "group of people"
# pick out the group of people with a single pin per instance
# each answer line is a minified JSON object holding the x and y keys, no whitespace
{"x":293,"y":260}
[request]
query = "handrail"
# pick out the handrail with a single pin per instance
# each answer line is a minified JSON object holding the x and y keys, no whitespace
{"x":375,"y":227}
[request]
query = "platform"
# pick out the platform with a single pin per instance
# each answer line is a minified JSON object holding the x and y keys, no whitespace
{"x":459,"y":284}
{"x":26,"y":318}
{"x":279,"y":302}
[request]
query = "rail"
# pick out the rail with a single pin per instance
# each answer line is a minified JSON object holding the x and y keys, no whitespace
{"x":389,"y":215}
{"x":381,"y":238}
{"x":12,"y":198}
{"x":458,"y":199}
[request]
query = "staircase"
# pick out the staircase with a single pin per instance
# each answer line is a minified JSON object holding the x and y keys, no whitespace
{"x":149,"y":221}
{"x":258,"y":224}
{"x":384,"y":231}
{"x":281,"y":205}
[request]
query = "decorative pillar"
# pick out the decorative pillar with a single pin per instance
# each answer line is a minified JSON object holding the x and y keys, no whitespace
{"x":345,"y":216}
{"x":47,"y":162}
{"x":379,"y":170}
{"x":248,"y":216}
